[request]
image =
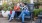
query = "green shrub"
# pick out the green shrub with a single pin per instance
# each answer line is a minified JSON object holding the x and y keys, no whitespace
{"x":40,"y":9}
{"x":36,"y":12}
{"x":9,"y":8}
{"x":12,"y":5}
{"x":5,"y":6}
{"x":5,"y":9}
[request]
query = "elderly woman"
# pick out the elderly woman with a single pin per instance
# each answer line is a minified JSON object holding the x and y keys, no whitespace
{"x":16,"y":9}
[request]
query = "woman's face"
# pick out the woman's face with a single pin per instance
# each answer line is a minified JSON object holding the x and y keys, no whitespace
{"x":22,"y":4}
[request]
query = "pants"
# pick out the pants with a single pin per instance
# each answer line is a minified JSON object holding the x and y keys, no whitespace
{"x":17,"y":13}
{"x":9,"y":16}
{"x":12,"y":15}
{"x":24,"y":13}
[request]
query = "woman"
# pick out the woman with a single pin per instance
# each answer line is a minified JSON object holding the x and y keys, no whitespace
{"x":16,"y":9}
{"x":24,"y":12}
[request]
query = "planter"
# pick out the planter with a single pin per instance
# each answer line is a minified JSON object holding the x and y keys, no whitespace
{"x":35,"y":18}
{"x":5,"y":14}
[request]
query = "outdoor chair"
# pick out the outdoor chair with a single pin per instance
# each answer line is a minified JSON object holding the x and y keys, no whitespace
{"x":39,"y":17}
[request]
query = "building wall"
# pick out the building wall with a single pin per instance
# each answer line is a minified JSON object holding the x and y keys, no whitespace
{"x":38,"y":0}
{"x":35,"y":0}
{"x":0,"y":2}
{"x":40,"y":6}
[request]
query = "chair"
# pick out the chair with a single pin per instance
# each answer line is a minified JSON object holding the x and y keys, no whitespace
{"x":31,"y":8}
{"x":40,"y":17}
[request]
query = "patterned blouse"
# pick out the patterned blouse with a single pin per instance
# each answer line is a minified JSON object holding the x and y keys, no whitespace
{"x":25,"y":8}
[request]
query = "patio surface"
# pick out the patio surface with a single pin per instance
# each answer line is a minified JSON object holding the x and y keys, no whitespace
{"x":5,"y":20}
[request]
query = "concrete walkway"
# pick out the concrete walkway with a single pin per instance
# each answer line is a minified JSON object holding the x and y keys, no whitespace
{"x":5,"y":20}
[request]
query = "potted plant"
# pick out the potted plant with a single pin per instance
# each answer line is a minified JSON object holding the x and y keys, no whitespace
{"x":5,"y":10}
{"x":36,"y":12}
